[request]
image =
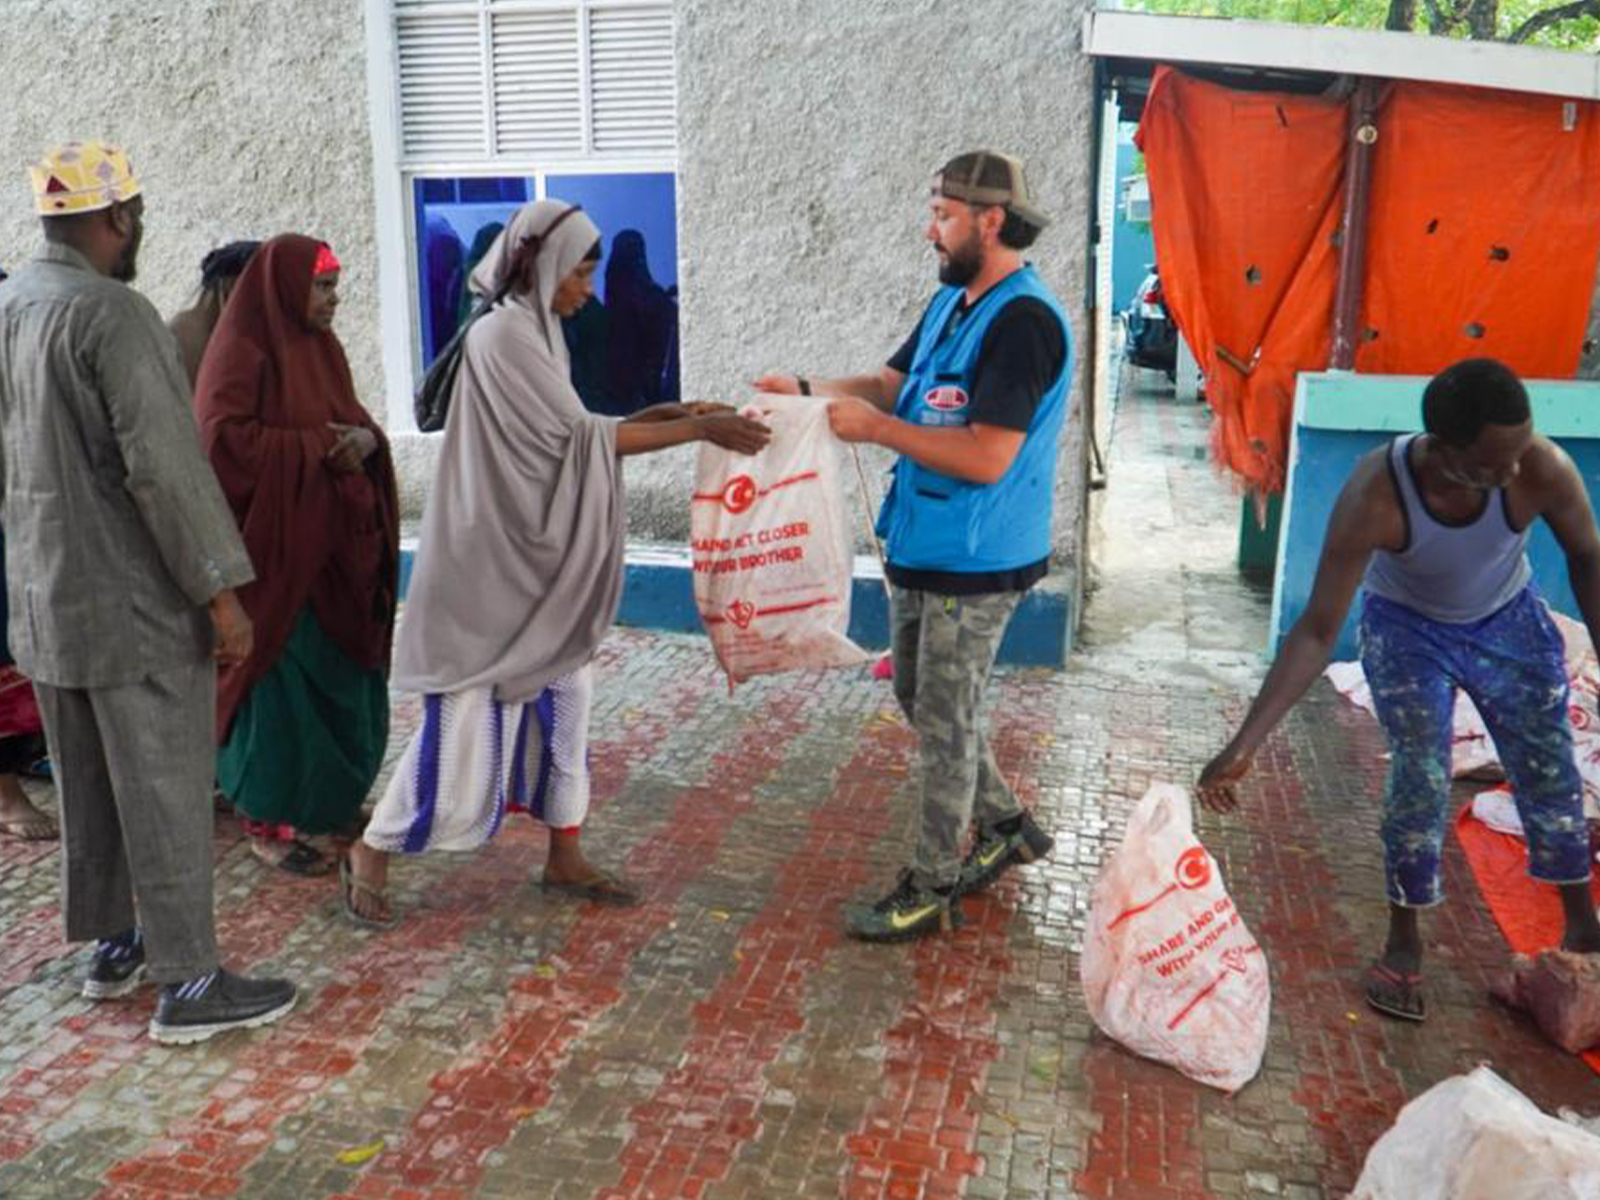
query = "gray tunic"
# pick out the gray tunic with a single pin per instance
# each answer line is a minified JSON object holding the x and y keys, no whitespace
{"x":117,"y":532}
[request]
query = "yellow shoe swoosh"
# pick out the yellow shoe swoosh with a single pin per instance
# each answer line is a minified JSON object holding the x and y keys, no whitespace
{"x":901,"y":920}
{"x":984,"y":860}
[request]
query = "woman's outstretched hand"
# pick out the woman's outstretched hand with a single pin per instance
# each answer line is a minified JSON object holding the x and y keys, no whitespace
{"x":733,"y":432}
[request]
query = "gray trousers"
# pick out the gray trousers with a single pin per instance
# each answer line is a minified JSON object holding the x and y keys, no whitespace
{"x":134,"y":767}
{"x":944,"y":649}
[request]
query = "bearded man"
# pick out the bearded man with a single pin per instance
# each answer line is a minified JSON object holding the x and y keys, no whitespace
{"x":973,"y":403}
{"x":124,"y":600}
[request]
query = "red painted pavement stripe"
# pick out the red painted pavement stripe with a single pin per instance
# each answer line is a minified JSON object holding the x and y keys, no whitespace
{"x":281,"y":1073}
{"x":1148,"y":1143}
{"x":918,"y":1135}
{"x":508,"y":1076}
{"x":1347,"y":1086}
{"x":687,"y":1134}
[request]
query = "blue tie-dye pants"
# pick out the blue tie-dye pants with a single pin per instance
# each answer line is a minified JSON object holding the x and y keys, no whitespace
{"x":1511,"y":665}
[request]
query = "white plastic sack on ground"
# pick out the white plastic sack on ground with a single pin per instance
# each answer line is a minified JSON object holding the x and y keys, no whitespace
{"x":1475,"y":1137}
{"x":1496,"y":809}
{"x":1169,"y":968}
{"x":771,"y":557}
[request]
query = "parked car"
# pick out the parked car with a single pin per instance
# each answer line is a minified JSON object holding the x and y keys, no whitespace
{"x":1152,"y":335}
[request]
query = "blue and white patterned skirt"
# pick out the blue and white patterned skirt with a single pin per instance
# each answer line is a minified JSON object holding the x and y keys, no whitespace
{"x":473,"y":758}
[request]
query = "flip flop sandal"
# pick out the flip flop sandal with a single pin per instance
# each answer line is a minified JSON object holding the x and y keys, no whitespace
{"x":1379,"y":975}
{"x":38,"y":828}
{"x":602,"y":889}
{"x":349,"y":885}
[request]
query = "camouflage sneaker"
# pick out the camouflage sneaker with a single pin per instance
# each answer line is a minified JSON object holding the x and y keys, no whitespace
{"x":907,"y":912}
{"x":1016,"y":840}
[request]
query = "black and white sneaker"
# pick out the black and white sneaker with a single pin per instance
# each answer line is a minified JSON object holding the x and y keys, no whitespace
{"x":194,"y":1011}
{"x":116,"y":969}
{"x":1015,"y":840}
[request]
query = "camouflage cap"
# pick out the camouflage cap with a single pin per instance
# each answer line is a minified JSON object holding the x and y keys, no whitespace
{"x":988,"y":177}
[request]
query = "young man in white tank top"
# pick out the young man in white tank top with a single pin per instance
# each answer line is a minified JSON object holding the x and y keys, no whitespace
{"x":1435,"y":527}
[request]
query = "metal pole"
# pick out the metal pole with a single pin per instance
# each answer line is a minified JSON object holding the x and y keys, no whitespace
{"x":1353,"y":224}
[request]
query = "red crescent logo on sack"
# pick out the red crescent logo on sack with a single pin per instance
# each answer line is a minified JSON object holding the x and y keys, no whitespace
{"x":740,"y":612}
{"x":740,"y":493}
{"x":945,"y":399}
{"x":1193,"y":869}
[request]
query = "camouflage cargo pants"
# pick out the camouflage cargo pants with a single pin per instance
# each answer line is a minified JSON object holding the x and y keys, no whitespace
{"x":944,"y":649}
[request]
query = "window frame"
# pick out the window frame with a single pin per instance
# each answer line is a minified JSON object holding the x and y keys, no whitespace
{"x":394,"y":175}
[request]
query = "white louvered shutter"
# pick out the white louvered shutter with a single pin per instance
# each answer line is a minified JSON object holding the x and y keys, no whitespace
{"x":538,"y":88}
{"x":441,"y":73}
{"x":482,"y":80}
{"x":632,"y":86}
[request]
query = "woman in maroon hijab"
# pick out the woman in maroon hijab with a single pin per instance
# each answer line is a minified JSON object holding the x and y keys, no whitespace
{"x":304,"y":720}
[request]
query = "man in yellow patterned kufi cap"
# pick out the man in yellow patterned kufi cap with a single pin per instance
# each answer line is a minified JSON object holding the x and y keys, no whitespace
{"x":89,"y":198}
{"x":132,"y":598}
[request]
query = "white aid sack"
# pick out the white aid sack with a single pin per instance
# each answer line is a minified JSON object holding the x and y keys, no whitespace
{"x":1475,"y":1137}
{"x":1169,"y":968}
{"x":771,"y":557}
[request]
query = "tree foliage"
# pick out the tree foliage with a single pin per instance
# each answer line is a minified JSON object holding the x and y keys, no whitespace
{"x":1567,"y":25}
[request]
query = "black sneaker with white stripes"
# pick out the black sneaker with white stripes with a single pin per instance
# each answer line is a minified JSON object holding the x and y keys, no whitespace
{"x":215,"y":1003}
{"x":116,"y":968}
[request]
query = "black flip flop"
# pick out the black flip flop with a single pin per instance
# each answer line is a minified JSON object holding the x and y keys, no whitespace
{"x":1382,"y":976}
{"x":301,"y":859}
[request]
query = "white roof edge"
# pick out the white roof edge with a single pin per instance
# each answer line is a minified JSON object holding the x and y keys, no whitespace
{"x":1373,"y":52}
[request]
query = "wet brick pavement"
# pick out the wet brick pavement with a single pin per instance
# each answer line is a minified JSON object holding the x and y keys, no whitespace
{"x":723,"y":1040}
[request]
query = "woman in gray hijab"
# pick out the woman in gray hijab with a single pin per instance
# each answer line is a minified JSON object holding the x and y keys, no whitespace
{"x":518,"y":575}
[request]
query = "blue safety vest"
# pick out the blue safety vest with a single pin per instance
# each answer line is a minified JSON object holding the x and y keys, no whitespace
{"x":936,"y":522}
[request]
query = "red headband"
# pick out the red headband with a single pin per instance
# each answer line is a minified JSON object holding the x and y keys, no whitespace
{"x":327,"y":262}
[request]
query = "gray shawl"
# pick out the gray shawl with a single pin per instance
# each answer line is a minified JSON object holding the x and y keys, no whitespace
{"x":519,"y":571}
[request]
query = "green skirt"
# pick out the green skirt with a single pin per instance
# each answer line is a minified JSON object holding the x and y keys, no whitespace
{"x":308,"y":739}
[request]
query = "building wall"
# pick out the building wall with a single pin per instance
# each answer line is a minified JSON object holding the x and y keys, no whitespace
{"x":807,"y":137}
{"x":808,"y":134}
{"x":241,"y":120}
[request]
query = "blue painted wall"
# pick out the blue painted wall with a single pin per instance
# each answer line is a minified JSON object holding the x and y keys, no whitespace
{"x":1340,"y":416}
{"x":1132,"y":250}
{"x":658,"y":593}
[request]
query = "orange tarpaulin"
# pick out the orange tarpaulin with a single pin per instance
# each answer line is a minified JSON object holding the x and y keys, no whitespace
{"x":1482,"y":236}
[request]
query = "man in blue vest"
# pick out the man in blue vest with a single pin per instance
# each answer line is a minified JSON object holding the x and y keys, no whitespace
{"x":973,"y":403}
